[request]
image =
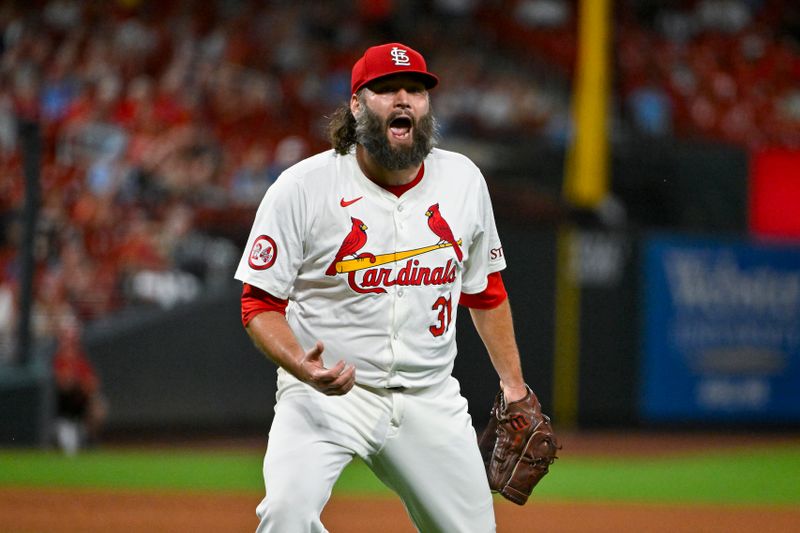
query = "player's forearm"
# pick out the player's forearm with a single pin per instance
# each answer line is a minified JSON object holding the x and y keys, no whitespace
{"x":496,"y":329}
{"x":271,"y":334}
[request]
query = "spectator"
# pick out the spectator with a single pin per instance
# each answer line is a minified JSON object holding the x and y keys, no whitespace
{"x":7,"y":320}
{"x":651,"y":110}
{"x":251,"y":180}
{"x":80,"y":406}
{"x":289,"y":151}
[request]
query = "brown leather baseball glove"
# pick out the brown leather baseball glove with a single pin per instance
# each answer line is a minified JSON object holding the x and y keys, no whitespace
{"x":518,"y":446}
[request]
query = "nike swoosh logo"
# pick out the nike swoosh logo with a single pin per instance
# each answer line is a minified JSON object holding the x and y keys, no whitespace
{"x":345,"y":203}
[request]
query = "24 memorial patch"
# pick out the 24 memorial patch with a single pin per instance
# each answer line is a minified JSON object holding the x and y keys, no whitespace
{"x":263,"y":253}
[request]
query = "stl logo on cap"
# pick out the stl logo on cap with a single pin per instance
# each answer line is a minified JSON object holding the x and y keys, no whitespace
{"x":400,"y":57}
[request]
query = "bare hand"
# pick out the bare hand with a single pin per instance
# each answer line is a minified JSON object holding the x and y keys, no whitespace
{"x":334,"y":381}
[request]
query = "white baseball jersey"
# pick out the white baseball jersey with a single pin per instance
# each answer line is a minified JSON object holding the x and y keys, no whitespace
{"x":377,"y":278}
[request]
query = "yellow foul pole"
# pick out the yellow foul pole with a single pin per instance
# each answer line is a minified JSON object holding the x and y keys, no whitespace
{"x":586,"y":179}
{"x":585,"y":186}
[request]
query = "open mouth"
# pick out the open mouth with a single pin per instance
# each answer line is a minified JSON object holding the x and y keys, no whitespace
{"x":400,"y":127}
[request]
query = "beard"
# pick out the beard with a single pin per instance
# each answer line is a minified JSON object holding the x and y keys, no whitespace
{"x":371,"y":134}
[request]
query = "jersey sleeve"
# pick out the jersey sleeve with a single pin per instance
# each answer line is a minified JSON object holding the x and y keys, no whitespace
{"x":255,"y":301}
{"x":492,"y":296}
{"x":274,"y":251}
{"x":486,"y":251}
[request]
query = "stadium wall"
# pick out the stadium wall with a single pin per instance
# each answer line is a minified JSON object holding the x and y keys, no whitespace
{"x":192,"y":367}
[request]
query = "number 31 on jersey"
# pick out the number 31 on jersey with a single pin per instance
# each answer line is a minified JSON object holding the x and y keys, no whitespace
{"x":444,"y":306}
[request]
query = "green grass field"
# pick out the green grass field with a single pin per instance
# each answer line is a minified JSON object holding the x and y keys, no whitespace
{"x":761,"y":476}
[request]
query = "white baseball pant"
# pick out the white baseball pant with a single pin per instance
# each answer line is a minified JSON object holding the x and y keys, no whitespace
{"x":419,"y":442}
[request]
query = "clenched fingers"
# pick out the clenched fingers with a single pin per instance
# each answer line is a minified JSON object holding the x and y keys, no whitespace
{"x":334,"y":381}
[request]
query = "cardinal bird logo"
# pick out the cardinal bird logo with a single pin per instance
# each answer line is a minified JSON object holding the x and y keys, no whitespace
{"x":354,"y":241}
{"x":442,"y":229}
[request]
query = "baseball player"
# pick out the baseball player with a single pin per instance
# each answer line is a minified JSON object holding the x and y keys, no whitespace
{"x":353,"y":272}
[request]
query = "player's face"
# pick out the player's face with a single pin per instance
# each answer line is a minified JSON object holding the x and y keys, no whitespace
{"x":394,"y":121}
{"x":399,"y":101}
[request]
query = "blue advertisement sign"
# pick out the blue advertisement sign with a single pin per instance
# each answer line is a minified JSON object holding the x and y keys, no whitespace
{"x":721,"y":330}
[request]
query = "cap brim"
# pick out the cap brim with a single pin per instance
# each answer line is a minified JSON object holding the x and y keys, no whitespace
{"x":430,"y":80}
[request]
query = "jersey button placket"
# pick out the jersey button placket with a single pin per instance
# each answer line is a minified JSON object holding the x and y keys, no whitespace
{"x":395,"y":333}
{"x":400,"y":292}
{"x":398,"y":221}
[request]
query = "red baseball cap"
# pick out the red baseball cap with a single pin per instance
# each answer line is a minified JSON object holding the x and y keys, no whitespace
{"x":387,"y":59}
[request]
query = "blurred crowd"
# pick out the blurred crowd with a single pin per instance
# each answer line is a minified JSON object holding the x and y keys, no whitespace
{"x":162,"y":123}
{"x":724,"y":70}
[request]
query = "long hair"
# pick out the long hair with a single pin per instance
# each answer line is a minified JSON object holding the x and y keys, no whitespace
{"x":342,"y":129}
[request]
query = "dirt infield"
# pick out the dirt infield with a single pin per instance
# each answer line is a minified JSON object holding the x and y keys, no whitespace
{"x":88,"y":511}
{"x":79,"y":511}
